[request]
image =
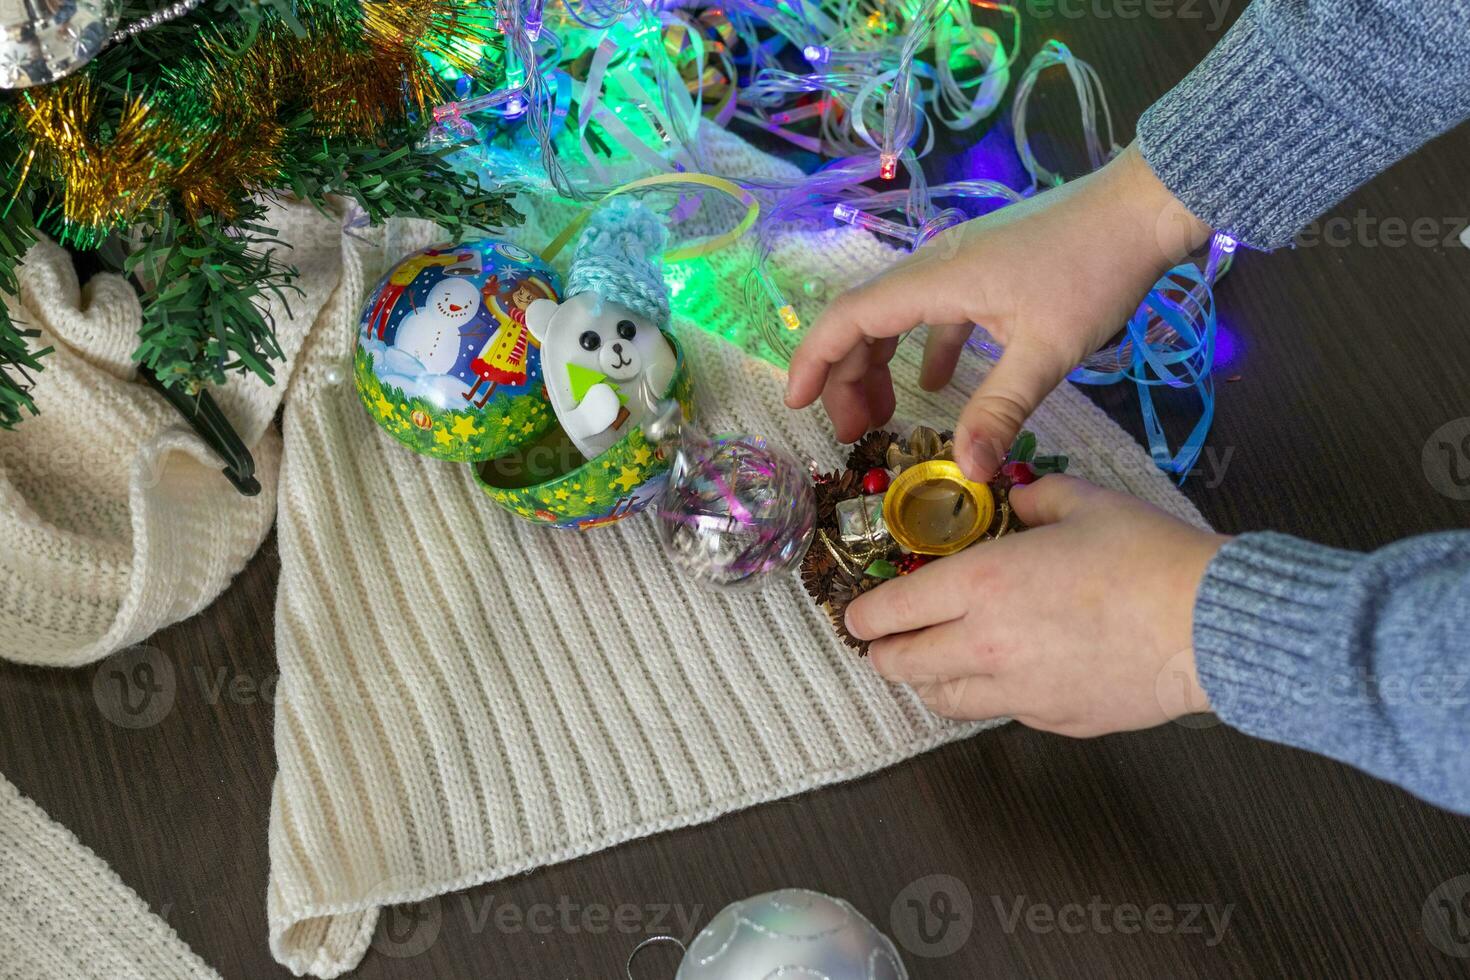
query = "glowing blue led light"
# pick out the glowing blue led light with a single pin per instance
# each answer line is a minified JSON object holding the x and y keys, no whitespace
{"x":1226,"y":243}
{"x":816,"y":54}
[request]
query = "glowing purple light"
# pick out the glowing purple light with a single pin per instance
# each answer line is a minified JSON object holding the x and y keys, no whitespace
{"x":515,"y":107}
{"x":1225,"y":242}
{"x":1227,"y":345}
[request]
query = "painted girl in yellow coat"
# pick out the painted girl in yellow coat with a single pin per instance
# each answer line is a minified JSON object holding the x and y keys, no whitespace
{"x":503,"y":360}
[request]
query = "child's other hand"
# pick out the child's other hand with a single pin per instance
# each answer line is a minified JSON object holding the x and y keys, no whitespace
{"x":1052,"y":278}
{"x":1080,"y":625}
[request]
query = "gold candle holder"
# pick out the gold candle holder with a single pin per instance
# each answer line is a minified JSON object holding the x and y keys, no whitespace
{"x":933,"y":510}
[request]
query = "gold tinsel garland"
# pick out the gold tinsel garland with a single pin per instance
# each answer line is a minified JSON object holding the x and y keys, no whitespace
{"x":103,"y":180}
{"x":230,"y":143}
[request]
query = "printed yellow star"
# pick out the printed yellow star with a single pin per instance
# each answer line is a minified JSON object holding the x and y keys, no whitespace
{"x":628,"y":478}
{"x":442,"y":437}
{"x":590,"y":499}
{"x":641,"y":455}
{"x":561,"y":493}
{"x":464,"y":427}
{"x":505,"y":420}
{"x":384,"y":406}
{"x":528,"y":428}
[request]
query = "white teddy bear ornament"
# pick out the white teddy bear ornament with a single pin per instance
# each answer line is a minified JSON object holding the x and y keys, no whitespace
{"x":604,"y":355}
{"x":605,"y":367}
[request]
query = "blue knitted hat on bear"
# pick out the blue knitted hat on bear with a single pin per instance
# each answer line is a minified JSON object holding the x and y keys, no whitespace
{"x":620,"y":258}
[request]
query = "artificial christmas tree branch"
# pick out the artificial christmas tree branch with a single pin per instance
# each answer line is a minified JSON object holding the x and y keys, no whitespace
{"x":169,"y":140}
{"x":18,"y":360}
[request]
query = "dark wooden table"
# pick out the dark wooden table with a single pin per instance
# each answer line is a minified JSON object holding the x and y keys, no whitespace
{"x":1348,"y":357}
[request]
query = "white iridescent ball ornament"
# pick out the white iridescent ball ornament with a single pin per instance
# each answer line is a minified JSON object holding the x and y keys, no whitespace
{"x":792,"y":933}
{"x":735,"y":510}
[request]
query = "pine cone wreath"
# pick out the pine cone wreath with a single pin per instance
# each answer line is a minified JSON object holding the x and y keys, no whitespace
{"x":837,"y":486}
{"x":841,"y":594}
{"x":835,"y":572}
{"x":818,"y":568}
{"x":922,"y":445}
{"x":870,"y":452}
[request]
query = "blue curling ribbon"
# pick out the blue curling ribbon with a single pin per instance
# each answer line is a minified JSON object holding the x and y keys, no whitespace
{"x":1171,"y":341}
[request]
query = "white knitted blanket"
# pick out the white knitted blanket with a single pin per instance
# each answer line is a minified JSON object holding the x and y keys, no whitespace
{"x":465,"y":696}
{"x":65,"y":913}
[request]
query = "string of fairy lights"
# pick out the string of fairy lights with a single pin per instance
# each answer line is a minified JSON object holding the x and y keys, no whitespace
{"x":598,"y":92}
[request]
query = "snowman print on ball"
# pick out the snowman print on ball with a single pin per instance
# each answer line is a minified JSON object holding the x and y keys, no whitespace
{"x":431,"y":333}
{"x":380,"y":311}
{"x":605,"y":365}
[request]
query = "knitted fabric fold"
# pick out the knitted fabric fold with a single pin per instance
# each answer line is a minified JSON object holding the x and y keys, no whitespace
{"x":115,"y":517}
{"x":65,"y":913}
{"x":465,"y":696}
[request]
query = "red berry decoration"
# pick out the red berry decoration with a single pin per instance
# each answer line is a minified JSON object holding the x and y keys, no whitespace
{"x":875,"y":480}
{"x":911,"y":563}
{"x":1019,"y":474}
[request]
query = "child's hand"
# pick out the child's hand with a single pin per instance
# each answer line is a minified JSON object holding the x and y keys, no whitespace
{"x":1052,"y":278}
{"x":1080,"y":625}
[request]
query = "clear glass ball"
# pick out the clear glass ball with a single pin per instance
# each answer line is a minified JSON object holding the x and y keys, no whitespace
{"x":735,"y":510}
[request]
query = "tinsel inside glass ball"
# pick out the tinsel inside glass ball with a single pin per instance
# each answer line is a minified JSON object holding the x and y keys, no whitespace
{"x":735,"y":510}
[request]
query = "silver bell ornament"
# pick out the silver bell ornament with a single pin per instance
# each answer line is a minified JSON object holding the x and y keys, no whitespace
{"x":790,"y":933}
{"x":735,"y":509}
{"x":43,"y":40}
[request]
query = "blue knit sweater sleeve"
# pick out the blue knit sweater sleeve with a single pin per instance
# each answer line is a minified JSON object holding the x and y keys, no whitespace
{"x":1301,"y":102}
{"x":1363,"y":658}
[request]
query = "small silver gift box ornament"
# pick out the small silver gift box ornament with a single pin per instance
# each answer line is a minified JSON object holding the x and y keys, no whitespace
{"x":43,"y":40}
{"x":860,"y":519}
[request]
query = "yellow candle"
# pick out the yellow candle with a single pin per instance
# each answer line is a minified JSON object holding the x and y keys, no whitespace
{"x":932,"y":509}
